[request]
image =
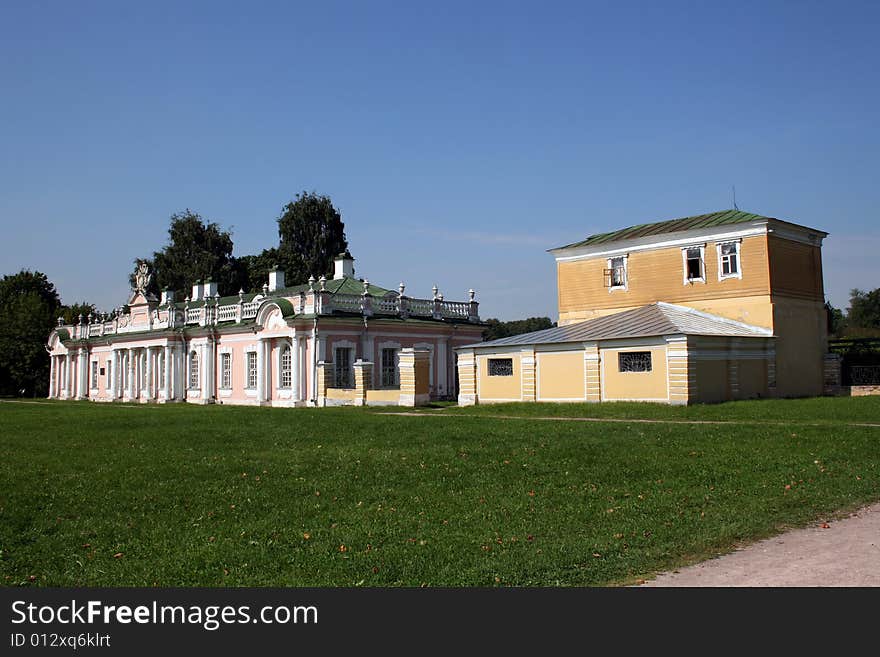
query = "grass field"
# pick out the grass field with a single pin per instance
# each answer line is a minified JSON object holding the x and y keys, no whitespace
{"x":223,"y":496}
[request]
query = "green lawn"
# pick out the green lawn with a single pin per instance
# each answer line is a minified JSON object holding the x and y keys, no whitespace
{"x":110,"y":495}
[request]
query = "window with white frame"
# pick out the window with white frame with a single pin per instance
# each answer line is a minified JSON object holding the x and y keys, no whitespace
{"x":728,"y":260}
{"x":389,"y":377}
{"x":252,"y":369}
{"x":94,"y":374}
{"x":193,"y":370}
{"x":109,"y":371}
{"x":226,"y":371}
{"x":343,"y":372}
{"x":160,"y":364}
{"x":634,"y":361}
{"x":615,"y":275}
{"x":501,"y":367}
{"x":286,"y":369}
{"x":693,"y":264}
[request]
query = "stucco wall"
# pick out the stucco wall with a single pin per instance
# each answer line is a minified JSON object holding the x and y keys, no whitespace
{"x":618,"y":385}
{"x":561,"y":375}
{"x":499,"y":387}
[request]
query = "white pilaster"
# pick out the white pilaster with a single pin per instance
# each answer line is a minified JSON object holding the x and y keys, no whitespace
{"x":82,"y":366}
{"x":149,"y":386}
{"x":294,"y":369}
{"x":129,"y":356}
{"x":167,"y":389}
{"x":261,"y":370}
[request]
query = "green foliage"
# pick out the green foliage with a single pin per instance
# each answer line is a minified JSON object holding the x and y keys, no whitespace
{"x":29,"y":307}
{"x":497,"y":329}
{"x":863,"y":317}
{"x":72,"y":313}
{"x":836,"y":320}
{"x":196,"y":250}
{"x":111,"y":495}
{"x":311,"y":233}
{"x":254,"y":269}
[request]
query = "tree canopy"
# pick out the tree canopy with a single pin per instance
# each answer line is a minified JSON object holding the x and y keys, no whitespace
{"x":29,"y":305}
{"x":497,"y":329}
{"x":864,"y":312}
{"x":196,"y":250}
{"x":311,"y":233}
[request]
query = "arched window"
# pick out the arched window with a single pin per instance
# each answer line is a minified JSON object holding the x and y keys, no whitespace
{"x":285,"y":368}
{"x":193,"y":370}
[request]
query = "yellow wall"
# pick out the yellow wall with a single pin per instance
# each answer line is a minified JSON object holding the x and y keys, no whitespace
{"x":561,"y":375}
{"x":383,"y":396}
{"x":796,"y":269}
{"x":752,"y":375}
{"x":340,"y":393}
{"x":712,"y":381}
{"x":658,"y":275}
{"x":800,"y":348}
{"x":618,"y":385}
{"x":499,"y":387}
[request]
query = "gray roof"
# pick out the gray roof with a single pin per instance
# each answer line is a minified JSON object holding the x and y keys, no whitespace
{"x":652,"y":320}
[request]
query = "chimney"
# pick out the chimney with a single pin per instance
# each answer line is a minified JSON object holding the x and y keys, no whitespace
{"x":210,"y":289}
{"x":343,"y":266}
{"x":198,"y":291}
{"x":167,"y":297}
{"x":276,"y":279}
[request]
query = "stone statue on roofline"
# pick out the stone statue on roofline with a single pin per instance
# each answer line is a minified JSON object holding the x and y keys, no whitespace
{"x":142,"y":278}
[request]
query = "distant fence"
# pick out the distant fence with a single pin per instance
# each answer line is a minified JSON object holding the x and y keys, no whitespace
{"x":859,"y":360}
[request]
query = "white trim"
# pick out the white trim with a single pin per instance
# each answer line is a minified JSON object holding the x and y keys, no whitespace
{"x":653,"y":242}
{"x":282,"y":344}
{"x":738,"y":274}
{"x":625,"y":286}
{"x":684,"y":262}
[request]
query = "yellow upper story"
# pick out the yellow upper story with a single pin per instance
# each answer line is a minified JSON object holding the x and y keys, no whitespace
{"x":737,"y":270}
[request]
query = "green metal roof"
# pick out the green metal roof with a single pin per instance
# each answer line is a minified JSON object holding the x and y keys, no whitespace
{"x":722,"y":218}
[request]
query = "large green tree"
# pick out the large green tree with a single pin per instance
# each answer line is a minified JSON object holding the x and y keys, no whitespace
{"x":29,"y":306}
{"x":71,"y":313}
{"x":254,"y":269}
{"x":863,"y":318}
{"x":311,"y":233}
{"x":196,"y":250}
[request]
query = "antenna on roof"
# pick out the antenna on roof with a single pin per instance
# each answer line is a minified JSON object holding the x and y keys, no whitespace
{"x":735,"y":206}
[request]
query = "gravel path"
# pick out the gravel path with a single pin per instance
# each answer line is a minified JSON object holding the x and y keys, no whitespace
{"x":844,"y":552}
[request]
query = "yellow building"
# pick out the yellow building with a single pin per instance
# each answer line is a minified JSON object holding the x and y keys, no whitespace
{"x":728,"y":305}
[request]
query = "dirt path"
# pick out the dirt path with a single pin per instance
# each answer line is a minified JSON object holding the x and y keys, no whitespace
{"x":844,"y":552}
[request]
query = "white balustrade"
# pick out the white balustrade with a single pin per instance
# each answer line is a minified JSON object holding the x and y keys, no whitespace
{"x":192,"y":315}
{"x":249,"y":310}
{"x":227,"y":313}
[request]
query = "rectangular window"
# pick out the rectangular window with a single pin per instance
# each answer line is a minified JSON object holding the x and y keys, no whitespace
{"x":615,"y":275}
{"x":226,"y":371}
{"x":694,"y":264}
{"x":193,"y":371}
{"x":109,"y":370}
{"x":634,"y":361}
{"x":501,"y":367}
{"x":252,"y":369}
{"x":286,"y":369}
{"x":160,"y":364}
{"x":389,"y":368}
{"x":342,"y":368}
{"x":729,"y":260}
{"x":94,"y":374}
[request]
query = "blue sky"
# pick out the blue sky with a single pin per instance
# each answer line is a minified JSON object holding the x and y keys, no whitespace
{"x":459,"y":140}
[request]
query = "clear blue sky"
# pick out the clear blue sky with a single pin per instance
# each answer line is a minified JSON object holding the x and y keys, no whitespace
{"x":459,"y":140}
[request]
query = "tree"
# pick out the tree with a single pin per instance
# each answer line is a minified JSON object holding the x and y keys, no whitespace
{"x":311,"y":233}
{"x":497,"y":329}
{"x":71,"y":313}
{"x":196,"y":250}
{"x":836,"y":320}
{"x":254,"y":269}
{"x":29,"y":305}
{"x":864,"y":310}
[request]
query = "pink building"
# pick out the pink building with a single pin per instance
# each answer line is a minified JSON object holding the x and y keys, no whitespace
{"x":327,"y":342}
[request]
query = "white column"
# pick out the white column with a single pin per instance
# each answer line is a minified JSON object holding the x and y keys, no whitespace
{"x":294,"y":369}
{"x":207,"y":388}
{"x":82,"y":364}
{"x":261,"y":370}
{"x":167,"y":392}
{"x":149,"y":364}
{"x":129,"y":356}
{"x":179,"y":371}
{"x":51,"y":377}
